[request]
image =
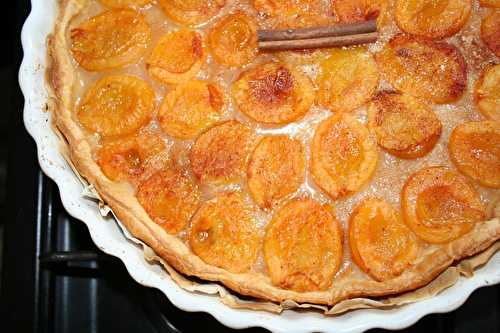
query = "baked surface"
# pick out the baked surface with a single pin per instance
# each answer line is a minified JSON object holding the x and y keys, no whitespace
{"x":199,"y":189}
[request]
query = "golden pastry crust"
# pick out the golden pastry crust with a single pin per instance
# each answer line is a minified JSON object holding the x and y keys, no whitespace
{"x":62,"y":76}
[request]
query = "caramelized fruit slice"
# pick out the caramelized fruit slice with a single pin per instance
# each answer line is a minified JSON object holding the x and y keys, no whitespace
{"x":191,"y":12}
{"x":349,"y":11}
{"x":191,"y":108}
{"x":273,"y":93}
{"x":177,"y":57}
{"x":440,"y":205}
{"x":490,"y":3}
{"x":303,"y":246}
{"x":125,"y":3}
{"x":276,"y":169}
{"x":475,"y":151}
{"x":490,"y":32}
{"x":381,"y":244}
{"x":430,"y":70}
{"x":233,"y":40}
{"x":224,"y":233}
{"x":281,"y":14}
{"x":348,"y":79}
{"x":170,"y":198}
{"x":403,"y":125}
{"x":487,"y":92}
{"x":433,"y":19}
{"x":126,"y":158}
{"x":116,"y":105}
{"x":220,"y":155}
{"x":112,"y":39}
{"x":344,"y":157}
{"x":285,"y":7}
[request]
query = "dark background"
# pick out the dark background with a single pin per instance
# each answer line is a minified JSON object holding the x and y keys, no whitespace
{"x":52,"y":278}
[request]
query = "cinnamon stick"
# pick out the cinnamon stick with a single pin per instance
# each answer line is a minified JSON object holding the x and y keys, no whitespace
{"x":322,"y":42}
{"x":318,"y":32}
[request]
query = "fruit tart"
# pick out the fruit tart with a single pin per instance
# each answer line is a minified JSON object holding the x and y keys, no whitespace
{"x":309,"y":176}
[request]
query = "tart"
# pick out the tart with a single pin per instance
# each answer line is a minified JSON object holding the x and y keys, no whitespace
{"x":308,"y":177}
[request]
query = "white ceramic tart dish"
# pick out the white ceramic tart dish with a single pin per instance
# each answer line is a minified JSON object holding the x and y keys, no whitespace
{"x":342,"y":208}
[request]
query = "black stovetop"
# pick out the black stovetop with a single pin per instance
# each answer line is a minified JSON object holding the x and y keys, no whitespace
{"x":55,"y":279}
